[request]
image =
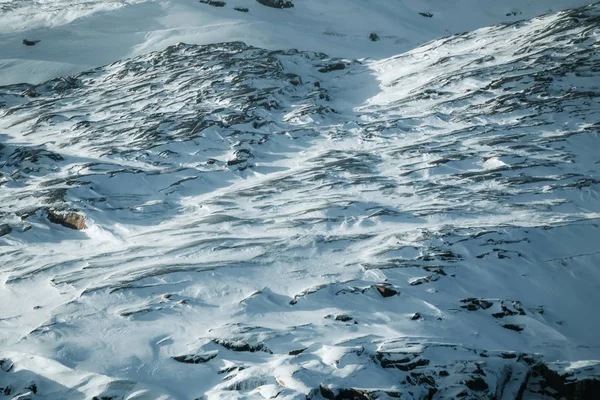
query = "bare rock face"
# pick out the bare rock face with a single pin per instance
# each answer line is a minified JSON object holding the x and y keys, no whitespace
{"x":5,"y":229}
{"x":277,"y":3}
{"x":69,"y":220}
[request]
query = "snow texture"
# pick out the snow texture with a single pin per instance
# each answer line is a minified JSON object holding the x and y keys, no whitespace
{"x":255,"y":223}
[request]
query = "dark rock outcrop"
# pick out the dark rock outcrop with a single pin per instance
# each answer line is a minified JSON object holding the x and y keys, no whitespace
{"x":5,"y":229}
{"x":332,"y":67}
{"x":214,"y":3}
{"x":194,"y":358}
{"x":277,"y":3}
{"x":386,"y":290}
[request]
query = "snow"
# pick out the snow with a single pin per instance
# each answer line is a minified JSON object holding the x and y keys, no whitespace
{"x":82,"y":34}
{"x":239,"y":215}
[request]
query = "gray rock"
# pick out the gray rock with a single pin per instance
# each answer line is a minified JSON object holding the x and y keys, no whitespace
{"x":5,"y":229}
{"x":277,"y":3}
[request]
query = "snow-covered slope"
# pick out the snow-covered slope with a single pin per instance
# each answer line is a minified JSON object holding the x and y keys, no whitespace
{"x":80,"y":34}
{"x":284,"y":224}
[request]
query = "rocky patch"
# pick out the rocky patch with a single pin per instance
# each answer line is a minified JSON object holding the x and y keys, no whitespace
{"x":277,"y":3}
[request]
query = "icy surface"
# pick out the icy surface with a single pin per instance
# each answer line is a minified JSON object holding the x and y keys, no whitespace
{"x":282,"y":223}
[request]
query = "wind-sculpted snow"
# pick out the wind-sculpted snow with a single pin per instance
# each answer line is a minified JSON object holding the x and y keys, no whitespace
{"x":269,"y":224}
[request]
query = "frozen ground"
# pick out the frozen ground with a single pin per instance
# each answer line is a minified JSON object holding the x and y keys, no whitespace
{"x":80,"y":34}
{"x":284,"y":224}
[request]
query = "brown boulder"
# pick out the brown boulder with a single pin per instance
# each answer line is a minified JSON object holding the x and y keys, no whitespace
{"x":69,"y":220}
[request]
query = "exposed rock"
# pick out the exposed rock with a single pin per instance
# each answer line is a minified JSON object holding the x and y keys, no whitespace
{"x":333,"y":67}
{"x":513,"y":327}
{"x":241,"y":9}
{"x":477,"y":384}
{"x":415,"y":316}
{"x":426,"y":14}
{"x":426,"y":279}
{"x":401,"y":361}
{"x":343,"y":318}
{"x":69,"y":220}
{"x":509,"y":308}
{"x":32,"y":387}
{"x":30,"y":42}
{"x":241,"y":159}
{"x":239,"y":346}
{"x":352,"y":394}
{"x":296,"y":352}
{"x":195,"y":358}
{"x":306,"y":292}
{"x":555,"y":385}
{"x":277,"y":3}
{"x":326,"y":393}
{"x":386,"y":290}
{"x":214,"y":3}
{"x":374,"y":37}
{"x":473,"y":304}
{"x":5,"y":229}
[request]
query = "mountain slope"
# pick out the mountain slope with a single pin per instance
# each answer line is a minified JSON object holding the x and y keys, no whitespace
{"x":83,"y":34}
{"x":282,"y":223}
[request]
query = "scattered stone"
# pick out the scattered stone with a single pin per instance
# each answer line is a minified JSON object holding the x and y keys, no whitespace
{"x":343,"y":318}
{"x":513,"y":327}
{"x":374,"y":37}
{"x":514,"y":308}
{"x":386,"y":291}
{"x":333,"y":67}
{"x":5,"y":229}
{"x":213,"y":3}
{"x":241,"y":9}
{"x":69,"y":220}
{"x":277,"y":3}
{"x":426,"y":14}
{"x":30,"y":42}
